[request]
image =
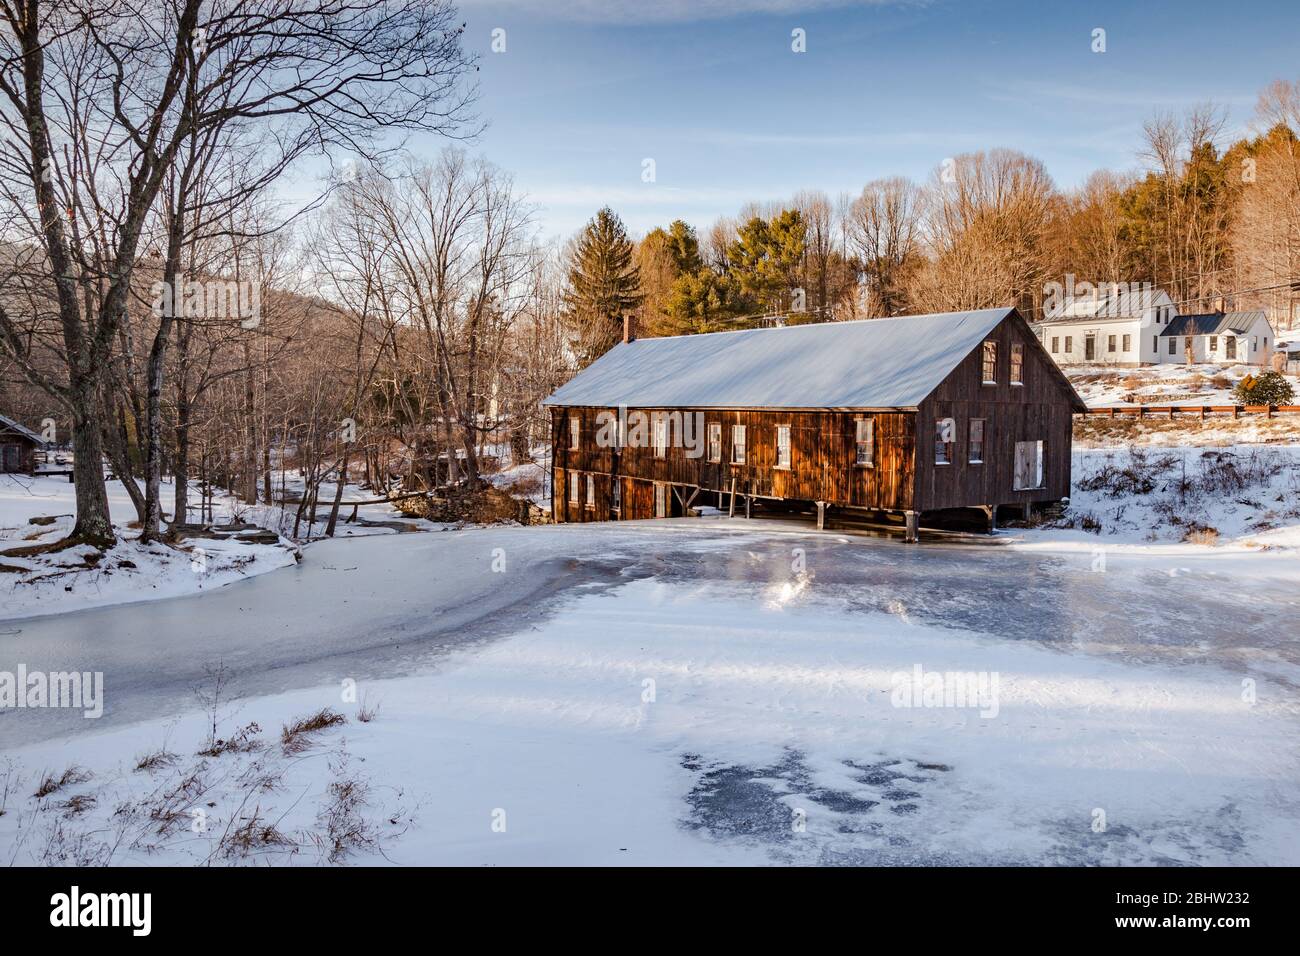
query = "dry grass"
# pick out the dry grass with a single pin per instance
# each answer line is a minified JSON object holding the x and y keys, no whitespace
{"x":1201,"y":534}
{"x":242,"y":741}
{"x":69,"y":778}
{"x":297,"y":736}
{"x":155,"y":760}
{"x":367,"y":712}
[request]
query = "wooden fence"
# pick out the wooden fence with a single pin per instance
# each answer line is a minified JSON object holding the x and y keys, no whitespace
{"x":1183,"y":411}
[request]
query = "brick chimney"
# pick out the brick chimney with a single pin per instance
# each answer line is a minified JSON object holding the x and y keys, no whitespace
{"x":629,"y":328}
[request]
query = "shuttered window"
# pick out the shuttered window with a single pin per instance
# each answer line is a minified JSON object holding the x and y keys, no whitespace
{"x":865,"y":440}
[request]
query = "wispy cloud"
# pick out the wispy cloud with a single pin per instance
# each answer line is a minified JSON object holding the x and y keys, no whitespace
{"x":670,"y":11}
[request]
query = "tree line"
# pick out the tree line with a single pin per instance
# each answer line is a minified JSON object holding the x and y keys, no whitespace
{"x":1205,"y":221}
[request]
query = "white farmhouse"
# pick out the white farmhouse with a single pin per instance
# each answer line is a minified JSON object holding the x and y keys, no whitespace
{"x":1227,"y":338}
{"x":1130,"y":326}
{"x":1118,"y":325}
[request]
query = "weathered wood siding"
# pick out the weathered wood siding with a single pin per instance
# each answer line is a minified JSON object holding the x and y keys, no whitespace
{"x":822,"y":466}
{"x":1038,"y":410}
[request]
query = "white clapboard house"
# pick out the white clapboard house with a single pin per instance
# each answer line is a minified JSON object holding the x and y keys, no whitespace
{"x":1132,"y":326}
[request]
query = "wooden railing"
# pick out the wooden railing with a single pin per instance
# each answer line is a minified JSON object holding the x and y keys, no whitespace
{"x":1200,"y":411}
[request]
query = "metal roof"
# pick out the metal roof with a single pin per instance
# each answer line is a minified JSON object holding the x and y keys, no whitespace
{"x":870,"y":363}
{"x":1213,"y":323}
{"x":1109,"y":302}
{"x":8,"y":424}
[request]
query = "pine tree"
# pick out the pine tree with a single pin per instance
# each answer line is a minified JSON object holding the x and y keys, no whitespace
{"x":604,"y":285}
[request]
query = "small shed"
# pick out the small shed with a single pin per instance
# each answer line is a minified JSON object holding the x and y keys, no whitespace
{"x":18,"y":447}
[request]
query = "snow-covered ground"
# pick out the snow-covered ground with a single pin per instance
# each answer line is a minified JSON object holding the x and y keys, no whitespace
{"x":1204,"y":384}
{"x":80,"y":577}
{"x":688,"y":691}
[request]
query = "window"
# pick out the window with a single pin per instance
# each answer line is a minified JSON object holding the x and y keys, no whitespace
{"x":976,"y":456}
{"x":865,"y":440}
{"x":573,"y":487}
{"x":1173,"y":345}
{"x":1214,"y":343}
{"x":1254,"y":343}
{"x":715,"y":441}
{"x":1110,"y":343}
{"x":575,"y":434}
{"x":1155,"y":343}
{"x":661,"y":500}
{"x":616,"y":499}
{"x":1029,"y":465}
{"x":659,"y":422}
{"x":591,"y":491}
{"x":783,"y":446}
{"x":944,"y":429}
{"x":1230,"y":346}
{"x":1128,"y":343}
{"x":1056,"y":341}
{"x":990,"y":363}
{"x":1017,"y":364}
{"x":738,"y":444}
{"x":1069,"y":344}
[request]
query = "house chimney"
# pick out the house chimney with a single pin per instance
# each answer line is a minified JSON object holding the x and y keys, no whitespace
{"x":629,"y":328}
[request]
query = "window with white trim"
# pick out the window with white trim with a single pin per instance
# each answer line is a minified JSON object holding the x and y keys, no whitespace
{"x":1128,"y":343}
{"x":573,"y":487}
{"x":1230,"y":346}
{"x":1069,"y":344}
{"x":865,"y":441}
{"x":659,"y":422}
{"x":976,"y":456}
{"x":1056,"y":342}
{"x":1173,"y":345}
{"x":738,"y":444}
{"x":783,"y":446}
{"x":991,"y":362}
{"x":591,"y":491}
{"x":575,"y":433}
{"x":715,"y":441}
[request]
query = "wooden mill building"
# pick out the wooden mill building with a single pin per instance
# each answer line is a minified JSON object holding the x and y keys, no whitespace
{"x":897,"y":416}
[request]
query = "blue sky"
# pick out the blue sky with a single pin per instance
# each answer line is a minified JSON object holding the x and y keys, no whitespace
{"x":712,"y":92}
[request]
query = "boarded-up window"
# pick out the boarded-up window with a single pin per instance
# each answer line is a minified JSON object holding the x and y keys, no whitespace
{"x":976,"y":441}
{"x":715,"y":441}
{"x":575,"y":433}
{"x":1029,"y":465}
{"x":783,"y":446}
{"x":865,"y":439}
{"x":944,"y":431}
{"x":990,"y":362}
{"x":738,"y":444}
{"x":591,"y":491}
{"x":573,"y":487}
{"x":1018,"y":362}
{"x":660,"y":425}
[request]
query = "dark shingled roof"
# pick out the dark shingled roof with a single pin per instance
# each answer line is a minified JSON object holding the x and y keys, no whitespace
{"x":1211,"y":323}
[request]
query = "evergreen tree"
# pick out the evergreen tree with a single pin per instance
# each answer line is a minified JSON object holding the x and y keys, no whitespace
{"x":765,"y":259}
{"x":604,"y":285}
